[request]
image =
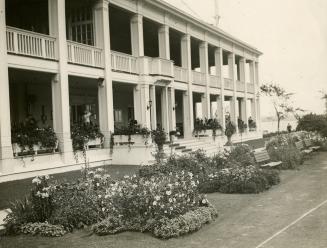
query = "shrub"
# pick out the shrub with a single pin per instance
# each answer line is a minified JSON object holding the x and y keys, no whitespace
{"x":110,"y":225}
{"x":282,"y":148}
{"x":239,"y":179}
{"x":76,"y":205}
{"x":36,"y":207}
{"x":191,"y":221}
{"x":313,"y":123}
{"x":43,"y":229}
{"x":242,"y":154}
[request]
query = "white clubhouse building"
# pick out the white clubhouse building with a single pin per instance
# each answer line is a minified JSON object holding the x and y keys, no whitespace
{"x":121,"y":60}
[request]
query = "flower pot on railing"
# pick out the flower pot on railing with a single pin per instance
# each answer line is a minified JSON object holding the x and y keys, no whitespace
{"x":138,"y":139}
{"x":37,"y":148}
{"x":94,"y":143}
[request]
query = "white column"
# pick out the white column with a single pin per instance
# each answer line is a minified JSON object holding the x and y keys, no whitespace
{"x":105,"y":93}
{"x":153,"y":107}
{"x":141,"y":104}
{"x":188,"y":118}
{"x":137,"y":35}
{"x":204,"y":65}
{"x":164,"y":109}
{"x":219,"y":70}
{"x":172,"y":111}
{"x":245,"y":111}
{"x":163,"y":37}
{"x":257,"y":96}
{"x":231,"y":63}
{"x":188,"y":104}
{"x":5,"y":124}
{"x":252,"y":75}
{"x":60,"y":83}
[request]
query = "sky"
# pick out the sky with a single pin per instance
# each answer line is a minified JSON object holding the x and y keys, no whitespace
{"x":292,"y":34}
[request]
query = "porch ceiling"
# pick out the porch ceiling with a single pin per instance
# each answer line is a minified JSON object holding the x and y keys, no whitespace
{"x":24,"y":76}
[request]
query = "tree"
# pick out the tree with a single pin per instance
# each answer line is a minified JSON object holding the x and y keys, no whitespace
{"x":280,"y":100}
{"x":313,"y":123}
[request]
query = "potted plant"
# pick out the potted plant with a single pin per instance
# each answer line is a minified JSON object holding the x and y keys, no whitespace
{"x":199,"y":126}
{"x":159,"y":137}
{"x":213,"y":125}
{"x":172,"y":136}
{"x":230,"y":130}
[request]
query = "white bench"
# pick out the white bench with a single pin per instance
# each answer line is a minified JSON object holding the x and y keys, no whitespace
{"x":299,"y":145}
{"x":262,"y":158}
{"x":308,"y":144}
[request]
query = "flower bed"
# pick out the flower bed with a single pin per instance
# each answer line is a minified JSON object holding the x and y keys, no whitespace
{"x":111,"y":206}
{"x":232,"y":171}
{"x":282,"y":148}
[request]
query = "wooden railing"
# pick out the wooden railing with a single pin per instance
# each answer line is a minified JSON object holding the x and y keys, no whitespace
{"x":159,"y":66}
{"x":214,"y":81}
{"x":228,"y":84}
{"x":180,"y":74}
{"x":84,"y":54}
{"x":250,"y":87}
{"x":123,"y":62}
{"x":29,"y":43}
{"x":240,"y":86}
{"x":198,"y":78}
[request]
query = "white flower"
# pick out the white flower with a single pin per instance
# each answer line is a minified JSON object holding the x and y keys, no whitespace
{"x":98,"y":184}
{"x":99,"y":196}
{"x":103,"y":209}
{"x":170,"y":200}
{"x":157,"y":198}
{"x":168,"y":192}
{"x":154,"y":203}
{"x":171,"y":208}
{"x":46,"y":177}
{"x":204,"y":201}
{"x":36,"y":180}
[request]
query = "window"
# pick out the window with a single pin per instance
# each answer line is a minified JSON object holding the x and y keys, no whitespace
{"x":80,"y":25}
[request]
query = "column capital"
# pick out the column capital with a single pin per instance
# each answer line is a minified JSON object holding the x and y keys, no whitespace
{"x":101,"y":4}
{"x":137,"y":18}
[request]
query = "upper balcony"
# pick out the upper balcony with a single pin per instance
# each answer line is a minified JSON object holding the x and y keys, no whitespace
{"x":28,"y":43}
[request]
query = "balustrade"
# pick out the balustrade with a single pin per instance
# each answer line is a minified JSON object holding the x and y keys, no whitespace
{"x":84,"y":54}
{"x":30,"y":43}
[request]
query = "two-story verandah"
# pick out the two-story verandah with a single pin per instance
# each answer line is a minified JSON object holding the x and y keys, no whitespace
{"x":140,"y":60}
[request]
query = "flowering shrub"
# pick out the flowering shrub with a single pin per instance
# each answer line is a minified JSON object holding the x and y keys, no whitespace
{"x":43,"y":229}
{"x":191,"y":221}
{"x":242,"y":154}
{"x":36,"y":207}
{"x":76,"y":205}
{"x":282,"y":148}
{"x":166,"y":195}
{"x":131,"y":203}
{"x":249,"y":179}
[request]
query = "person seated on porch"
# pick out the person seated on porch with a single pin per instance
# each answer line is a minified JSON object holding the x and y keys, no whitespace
{"x":87,"y":117}
{"x":250,"y":121}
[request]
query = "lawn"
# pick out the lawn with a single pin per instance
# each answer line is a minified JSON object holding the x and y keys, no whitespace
{"x":244,"y":220}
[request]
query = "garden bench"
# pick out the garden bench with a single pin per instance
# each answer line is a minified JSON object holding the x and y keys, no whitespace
{"x":299,"y":145}
{"x":262,"y":157}
{"x":308,"y":144}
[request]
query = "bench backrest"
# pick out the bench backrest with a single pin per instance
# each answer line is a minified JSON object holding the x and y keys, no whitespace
{"x":261,"y":156}
{"x":308,"y":142}
{"x":299,"y":145}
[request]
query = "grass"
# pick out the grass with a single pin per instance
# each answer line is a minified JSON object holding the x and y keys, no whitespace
{"x":244,"y":220}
